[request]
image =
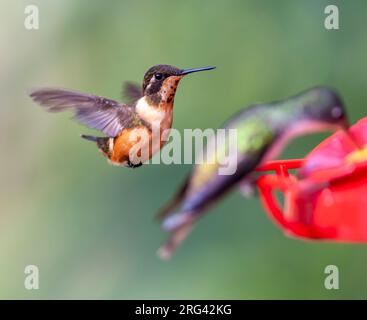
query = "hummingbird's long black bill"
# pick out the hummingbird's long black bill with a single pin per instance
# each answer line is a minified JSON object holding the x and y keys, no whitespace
{"x":187,"y":71}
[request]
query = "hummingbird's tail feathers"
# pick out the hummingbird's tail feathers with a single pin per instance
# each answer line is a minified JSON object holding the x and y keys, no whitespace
{"x":179,"y":225}
{"x":166,"y":210}
{"x":89,"y":138}
{"x":103,"y":143}
{"x":177,"y":220}
{"x":174,"y":241}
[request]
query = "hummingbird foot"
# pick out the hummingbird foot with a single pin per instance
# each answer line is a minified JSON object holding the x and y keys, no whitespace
{"x":132,"y":165}
{"x":248,"y":188}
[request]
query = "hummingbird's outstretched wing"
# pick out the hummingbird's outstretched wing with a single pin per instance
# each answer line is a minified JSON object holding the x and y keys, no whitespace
{"x":106,"y":115}
{"x":131,"y":92}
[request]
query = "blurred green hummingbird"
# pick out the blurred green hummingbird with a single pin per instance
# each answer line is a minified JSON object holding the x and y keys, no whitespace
{"x":262,"y":132}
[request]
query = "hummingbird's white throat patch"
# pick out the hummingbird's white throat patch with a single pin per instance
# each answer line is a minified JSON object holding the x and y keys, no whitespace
{"x":149,"y":113}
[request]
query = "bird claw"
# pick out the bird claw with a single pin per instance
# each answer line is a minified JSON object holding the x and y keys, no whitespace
{"x":132,"y":165}
{"x":248,"y":188}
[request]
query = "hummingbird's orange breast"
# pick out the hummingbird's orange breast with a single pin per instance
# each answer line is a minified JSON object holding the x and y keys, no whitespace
{"x":123,"y":145}
{"x":136,"y":145}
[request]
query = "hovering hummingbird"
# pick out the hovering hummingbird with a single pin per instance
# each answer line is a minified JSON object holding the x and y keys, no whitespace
{"x":262,"y":132}
{"x":123,"y":124}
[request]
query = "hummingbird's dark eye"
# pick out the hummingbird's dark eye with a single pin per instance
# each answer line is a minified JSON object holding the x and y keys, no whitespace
{"x":158,"y":76}
{"x":336,"y":112}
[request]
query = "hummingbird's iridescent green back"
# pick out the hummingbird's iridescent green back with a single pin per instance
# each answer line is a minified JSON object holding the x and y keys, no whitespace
{"x":253,"y":137}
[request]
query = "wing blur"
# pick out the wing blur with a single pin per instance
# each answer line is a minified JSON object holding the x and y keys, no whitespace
{"x":131,"y":92}
{"x":106,"y":115}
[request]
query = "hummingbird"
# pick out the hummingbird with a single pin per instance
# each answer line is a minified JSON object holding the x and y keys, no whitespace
{"x":123,"y":124}
{"x":263,"y":130}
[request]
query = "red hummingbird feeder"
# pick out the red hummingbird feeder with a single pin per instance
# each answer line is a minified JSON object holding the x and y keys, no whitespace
{"x":326,"y":199}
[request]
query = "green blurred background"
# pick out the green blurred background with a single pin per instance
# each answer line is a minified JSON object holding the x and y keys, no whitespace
{"x":89,"y":226}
